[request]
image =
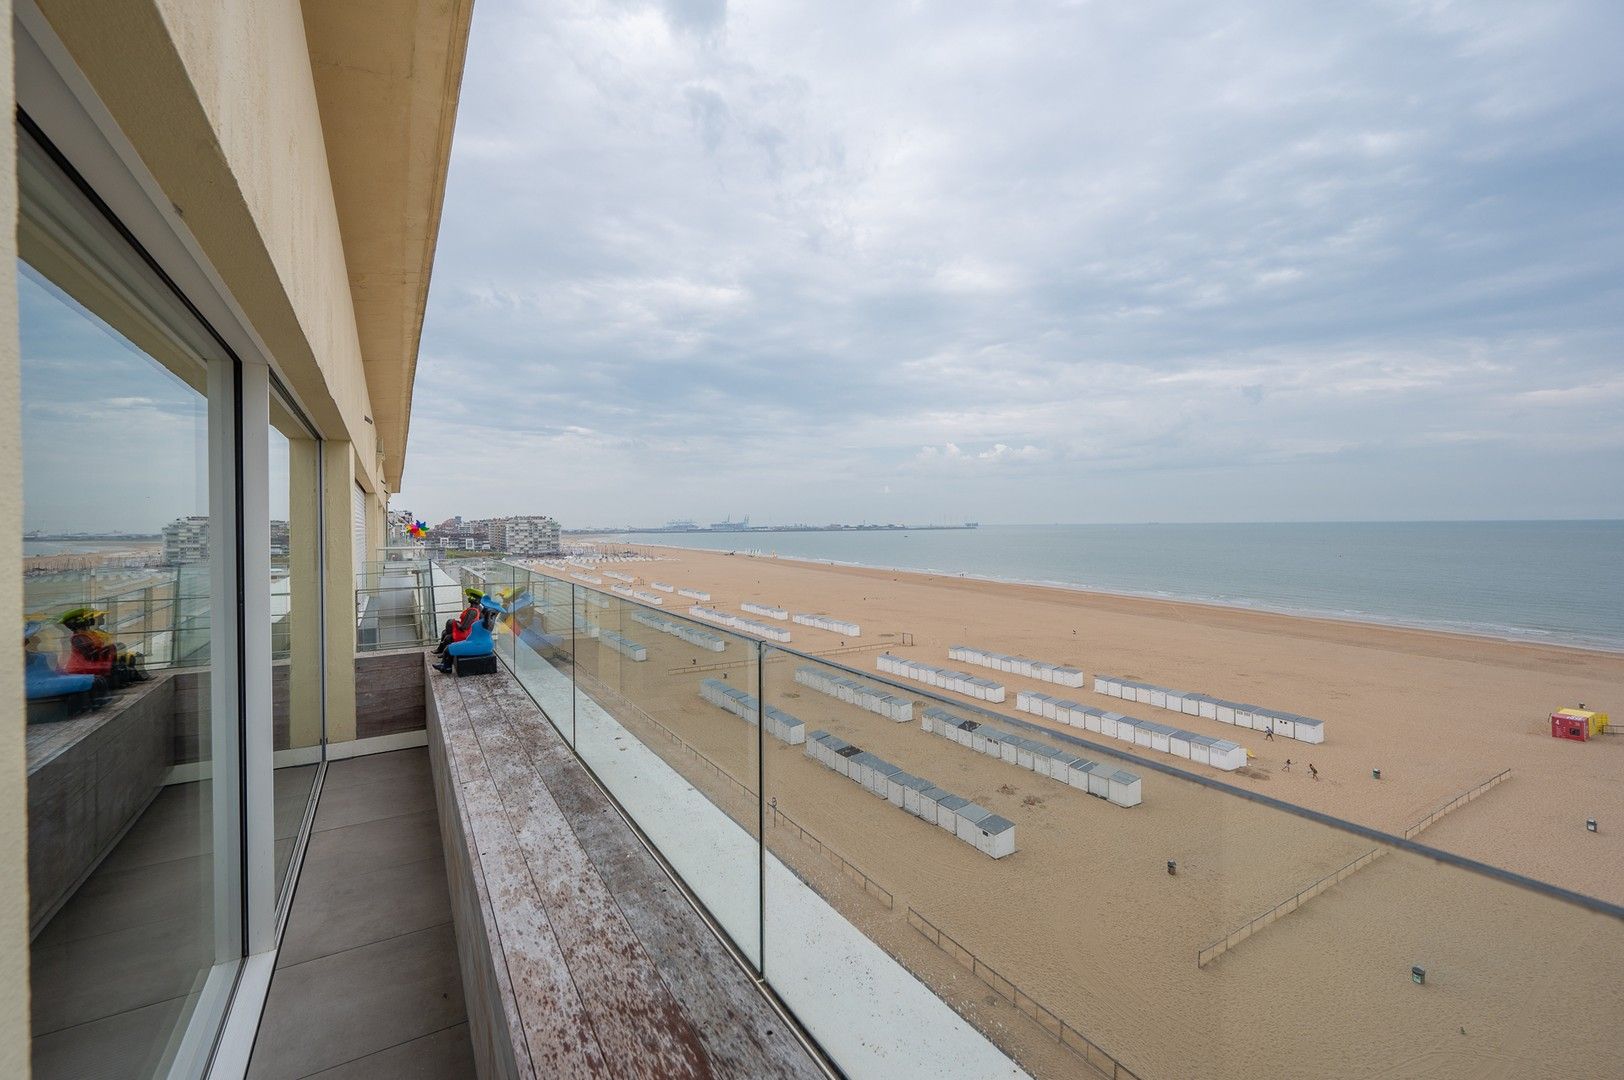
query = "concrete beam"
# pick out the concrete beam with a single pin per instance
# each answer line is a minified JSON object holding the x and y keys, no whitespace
{"x":387,"y":75}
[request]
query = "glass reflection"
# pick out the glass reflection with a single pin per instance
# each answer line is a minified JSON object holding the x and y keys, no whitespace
{"x":133,"y":902}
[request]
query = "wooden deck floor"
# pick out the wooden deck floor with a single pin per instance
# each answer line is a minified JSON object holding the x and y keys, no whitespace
{"x":604,"y":968}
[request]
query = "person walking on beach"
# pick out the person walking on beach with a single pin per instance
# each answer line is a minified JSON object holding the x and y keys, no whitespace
{"x":1288,"y":766}
{"x":1268,"y":732}
{"x":1313,"y":771}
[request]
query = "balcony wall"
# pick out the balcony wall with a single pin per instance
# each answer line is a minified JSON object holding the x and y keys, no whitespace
{"x":388,"y":693}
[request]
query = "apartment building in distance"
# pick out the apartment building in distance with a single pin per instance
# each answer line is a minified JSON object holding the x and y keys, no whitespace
{"x":456,"y":534}
{"x":523,"y":535}
{"x":186,"y":540}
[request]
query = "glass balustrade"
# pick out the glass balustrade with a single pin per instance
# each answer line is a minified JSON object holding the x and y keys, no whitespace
{"x":936,"y":882}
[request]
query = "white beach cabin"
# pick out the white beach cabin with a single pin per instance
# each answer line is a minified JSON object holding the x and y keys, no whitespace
{"x":996,"y":836}
{"x":1125,"y":788}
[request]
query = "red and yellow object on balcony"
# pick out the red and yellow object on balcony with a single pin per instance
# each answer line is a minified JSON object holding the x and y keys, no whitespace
{"x":1579,"y":724}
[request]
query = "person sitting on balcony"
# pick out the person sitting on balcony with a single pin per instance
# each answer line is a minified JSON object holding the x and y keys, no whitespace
{"x":88,"y":653}
{"x":479,"y":641}
{"x":457,"y":629}
{"x":127,"y":666}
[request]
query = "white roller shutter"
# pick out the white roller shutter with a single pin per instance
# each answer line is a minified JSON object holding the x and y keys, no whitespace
{"x":358,"y":528}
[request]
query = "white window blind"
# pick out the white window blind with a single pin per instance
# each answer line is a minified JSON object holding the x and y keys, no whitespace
{"x":358,"y":527}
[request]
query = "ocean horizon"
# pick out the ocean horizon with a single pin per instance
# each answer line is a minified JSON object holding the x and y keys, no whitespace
{"x":1550,"y":582}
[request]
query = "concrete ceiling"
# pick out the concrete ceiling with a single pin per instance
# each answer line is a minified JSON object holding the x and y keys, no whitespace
{"x":387,"y":75}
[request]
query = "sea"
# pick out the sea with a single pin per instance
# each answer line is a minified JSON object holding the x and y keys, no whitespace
{"x":87,"y":547}
{"x":1555,"y":582}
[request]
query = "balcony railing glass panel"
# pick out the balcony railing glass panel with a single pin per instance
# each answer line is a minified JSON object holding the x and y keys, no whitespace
{"x":954,"y":887}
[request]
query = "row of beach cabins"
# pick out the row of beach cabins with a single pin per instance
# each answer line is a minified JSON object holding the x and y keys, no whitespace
{"x":988,"y":832}
{"x":825,"y":622}
{"x":852,"y":692}
{"x":1097,"y":778}
{"x":970,"y":822}
{"x":1287,"y":725}
{"x":779,"y":724}
{"x":1218,"y":753}
{"x":623,"y":645}
{"x":637,"y":594}
{"x":692,"y":594}
{"x":722,"y":618}
{"x":1117,"y":785}
{"x":658,"y":586}
{"x":943,"y":678}
{"x":817,"y":622}
{"x":1221,"y":754}
{"x":765,"y":609}
{"x":693,"y":635}
{"x":974,"y":824}
{"x":1201,"y":749}
{"x":739,"y":622}
{"x":1058,"y":674}
{"x":668,"y":587}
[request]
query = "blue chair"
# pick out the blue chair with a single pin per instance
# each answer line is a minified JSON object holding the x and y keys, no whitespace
{"x":479,"y":646}
{"x":478,"y":642}
{"x":41,"y":680}
{"x":50,"y":694}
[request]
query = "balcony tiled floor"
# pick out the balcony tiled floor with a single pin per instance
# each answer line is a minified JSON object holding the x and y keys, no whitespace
{"x":367,"y":982}
{"x":392,"y":616}
{"x":117,"y":968}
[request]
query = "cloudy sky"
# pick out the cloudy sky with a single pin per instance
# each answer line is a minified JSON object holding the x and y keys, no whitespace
{"x":1069,"y":261}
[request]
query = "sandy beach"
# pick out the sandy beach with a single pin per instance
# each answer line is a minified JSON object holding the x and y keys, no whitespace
{"x":1084,"y":916}
{"x":1436,"y":713}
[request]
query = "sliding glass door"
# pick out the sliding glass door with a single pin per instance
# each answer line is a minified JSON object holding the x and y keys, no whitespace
{"x":173,"y":591}
{"x":295,"y":613}
{"x":135,"y":808}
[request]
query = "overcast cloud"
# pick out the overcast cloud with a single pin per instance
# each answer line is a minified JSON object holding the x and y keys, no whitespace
{"x":1082,"y":261}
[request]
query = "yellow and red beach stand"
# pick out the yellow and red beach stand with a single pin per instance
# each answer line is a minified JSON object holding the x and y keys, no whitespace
{"x":1577,"y":724}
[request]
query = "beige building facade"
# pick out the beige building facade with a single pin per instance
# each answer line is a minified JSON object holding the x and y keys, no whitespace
{"x":225,"y":214}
